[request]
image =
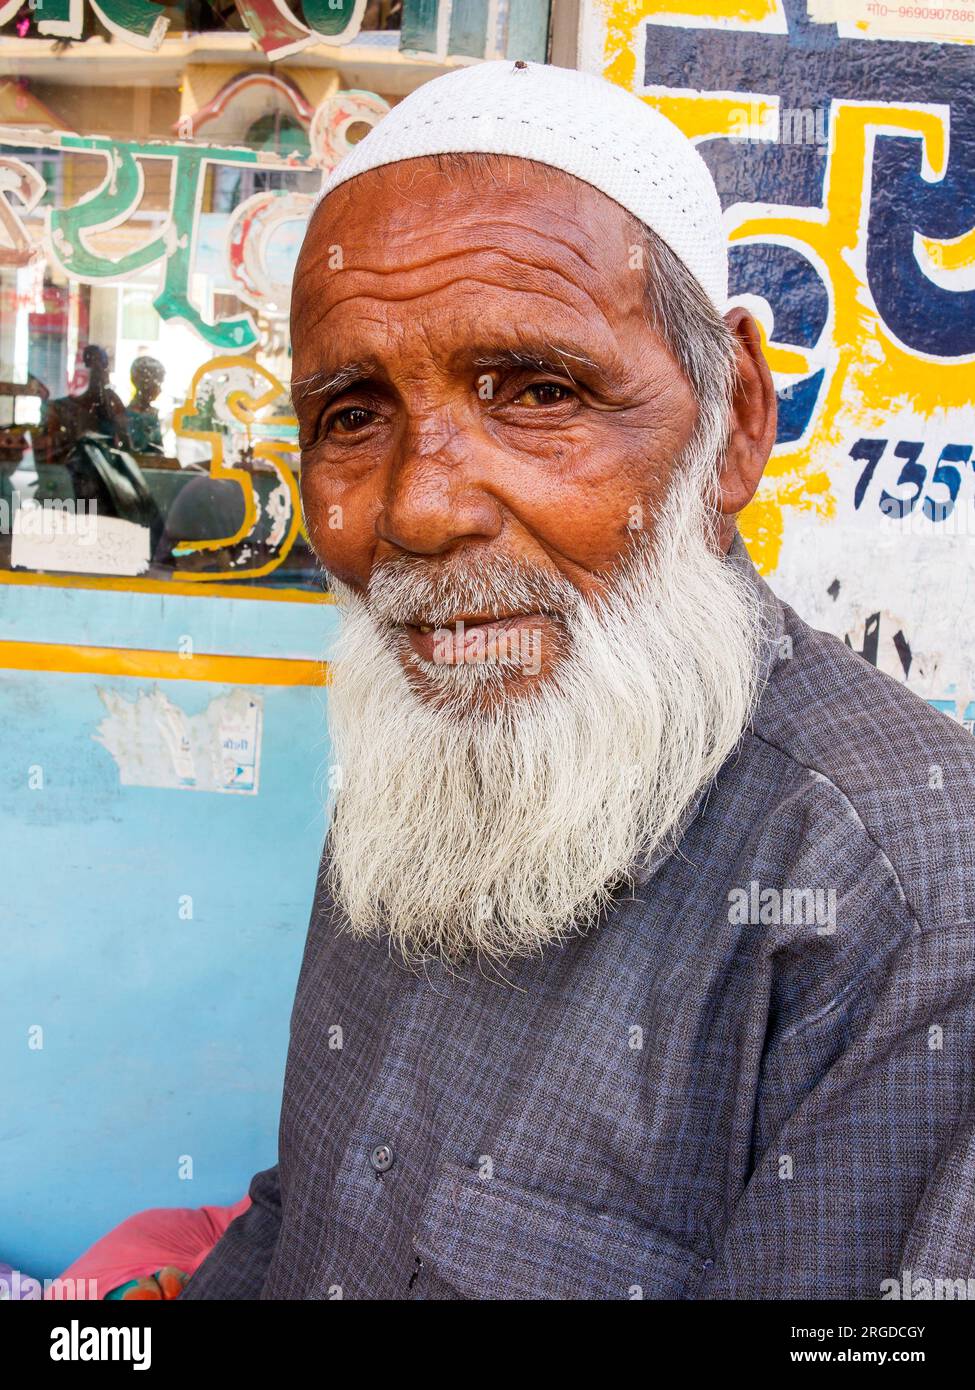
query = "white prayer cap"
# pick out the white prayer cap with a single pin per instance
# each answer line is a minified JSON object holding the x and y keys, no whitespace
{"x":569,"y":120}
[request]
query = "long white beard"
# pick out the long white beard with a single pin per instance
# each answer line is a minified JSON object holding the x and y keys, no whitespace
{"x":500,"y":830}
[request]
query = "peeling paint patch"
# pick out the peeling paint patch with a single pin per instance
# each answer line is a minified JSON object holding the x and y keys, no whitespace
{"x":155,"y":743}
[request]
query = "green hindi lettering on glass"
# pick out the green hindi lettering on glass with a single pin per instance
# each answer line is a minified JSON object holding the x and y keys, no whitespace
{"x":138,"y":22}
{"x":336,"y":21}
{"x":117,"y":198}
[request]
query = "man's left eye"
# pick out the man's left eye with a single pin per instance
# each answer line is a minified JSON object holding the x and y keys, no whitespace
{"x":350,"y":420}
{"x":544,"y":393}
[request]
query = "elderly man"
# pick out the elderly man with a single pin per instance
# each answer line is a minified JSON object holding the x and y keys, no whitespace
{"x":641,"y":962}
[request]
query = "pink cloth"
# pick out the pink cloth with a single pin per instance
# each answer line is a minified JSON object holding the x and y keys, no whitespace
{"x":180,"y":1236}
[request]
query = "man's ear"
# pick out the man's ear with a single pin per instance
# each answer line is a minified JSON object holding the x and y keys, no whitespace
{"x":753,"y":421}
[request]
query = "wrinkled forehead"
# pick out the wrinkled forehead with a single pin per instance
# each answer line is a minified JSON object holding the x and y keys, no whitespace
{"x":378,"y":217}
{"x":490,"y":236}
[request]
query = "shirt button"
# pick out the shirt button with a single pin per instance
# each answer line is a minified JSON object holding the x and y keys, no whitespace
{"x":381,"y":1157}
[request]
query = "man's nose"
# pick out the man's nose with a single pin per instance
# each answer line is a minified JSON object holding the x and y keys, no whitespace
{"x":436,"y":494}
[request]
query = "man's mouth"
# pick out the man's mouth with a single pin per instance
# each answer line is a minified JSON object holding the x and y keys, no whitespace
{"x":510,"y":638}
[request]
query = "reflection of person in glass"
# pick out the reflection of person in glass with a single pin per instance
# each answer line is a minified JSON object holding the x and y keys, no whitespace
{"x":88,"y":436}
{"x":141,"y":415}
{"x":98,"y":410}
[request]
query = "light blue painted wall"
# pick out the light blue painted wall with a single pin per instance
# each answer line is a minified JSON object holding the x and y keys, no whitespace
{"x":162,"y":1037}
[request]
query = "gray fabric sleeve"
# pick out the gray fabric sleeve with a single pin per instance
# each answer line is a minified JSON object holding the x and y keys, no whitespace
{"x":237,"y":1265}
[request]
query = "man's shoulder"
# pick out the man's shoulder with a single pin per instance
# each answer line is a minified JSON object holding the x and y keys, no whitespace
{"x":888,"y":759}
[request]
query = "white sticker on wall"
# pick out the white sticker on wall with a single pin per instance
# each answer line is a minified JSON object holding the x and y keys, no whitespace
{"x":898,"y":19}
{"x":155,"y":743}
{"x":66,"y":537}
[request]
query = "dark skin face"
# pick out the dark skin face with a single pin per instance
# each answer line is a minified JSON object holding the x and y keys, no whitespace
{"x":148,"y":385}
{"x":436,"y":444}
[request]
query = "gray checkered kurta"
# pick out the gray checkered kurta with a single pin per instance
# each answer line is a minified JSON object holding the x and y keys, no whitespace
{"x":680,"y":1104}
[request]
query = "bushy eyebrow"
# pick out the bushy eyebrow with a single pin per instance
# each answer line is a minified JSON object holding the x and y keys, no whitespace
{"x":329,"y":384}
{"x":547,"y":357}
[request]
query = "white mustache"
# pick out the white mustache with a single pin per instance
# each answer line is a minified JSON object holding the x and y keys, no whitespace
{"x":413,"y":591}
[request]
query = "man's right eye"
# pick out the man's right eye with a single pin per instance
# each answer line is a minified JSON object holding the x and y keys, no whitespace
{"x":350,"y":421}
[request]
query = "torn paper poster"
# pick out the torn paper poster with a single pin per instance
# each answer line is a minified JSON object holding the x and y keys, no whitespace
{"x":157,"y":744}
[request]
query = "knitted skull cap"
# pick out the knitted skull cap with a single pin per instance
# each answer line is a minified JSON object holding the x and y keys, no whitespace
{"x":574,"y":121}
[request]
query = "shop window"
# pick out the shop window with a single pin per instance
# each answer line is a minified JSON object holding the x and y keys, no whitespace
{"x":139,"y":318}
{"x":146,"y":426}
